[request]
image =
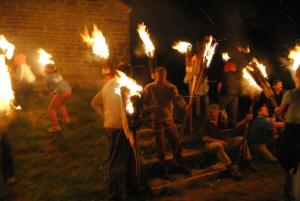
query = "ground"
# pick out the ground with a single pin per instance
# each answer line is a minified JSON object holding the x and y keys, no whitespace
{"x":72,"y":165}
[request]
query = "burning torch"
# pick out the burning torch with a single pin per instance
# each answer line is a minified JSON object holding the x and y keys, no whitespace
{"x":206,"y":50}
{"x":259,"y":75}
{"x":99,"y":46}
{"x":148,"y":45}
{"x":6,"y":92}
{"x":131,"y":112}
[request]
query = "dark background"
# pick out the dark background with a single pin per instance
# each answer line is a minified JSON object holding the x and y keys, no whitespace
{"x":269,"y":27}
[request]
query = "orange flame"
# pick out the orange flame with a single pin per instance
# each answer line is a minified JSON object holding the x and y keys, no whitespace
{"x":44,"y":57}
{"x":261,"y":67}
{"x":209,"y":51}
{"x":6,"y":92}
{"x":134,"y":90}
{"x":294,"y":55}
{"x":182,"y":46}
{"x":97,"y":42}
{"x":144,"y":35}
{"x":251,"y":82}
{"x":225,"y":56}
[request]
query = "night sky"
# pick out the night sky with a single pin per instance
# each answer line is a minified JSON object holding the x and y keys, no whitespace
{"x":271,"y":28}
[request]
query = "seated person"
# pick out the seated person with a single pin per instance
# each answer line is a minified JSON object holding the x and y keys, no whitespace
{"x":262,"y":131}
{"x":221,"y":142}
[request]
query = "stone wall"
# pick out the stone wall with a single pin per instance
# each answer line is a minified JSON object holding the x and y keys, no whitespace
{"x":56,"y":25}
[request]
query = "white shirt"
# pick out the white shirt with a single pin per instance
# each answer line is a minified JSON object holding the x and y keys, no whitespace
{"x":24,"y":74}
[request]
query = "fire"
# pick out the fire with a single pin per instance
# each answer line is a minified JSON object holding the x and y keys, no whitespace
{"x":44,"y":57}
{"x":97,"y":42}
{"x":209,"y":51}
{"x":7,"y":47}
{"x":294,"y":55}
{"x":182,"y":46}
{"x":134,"y":90}
{"x":144,"y":35}
{"x":261,"y":67}
{"x":250,"y":79}
{"x":225,"y":56}
{"x":6,"y":92}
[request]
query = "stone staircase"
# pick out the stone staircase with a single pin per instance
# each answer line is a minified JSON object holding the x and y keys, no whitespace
{"x":196,"y":157}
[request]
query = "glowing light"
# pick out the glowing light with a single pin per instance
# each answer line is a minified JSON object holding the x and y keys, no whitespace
{"x":144,"y":35}
{"x":294,"y":55}
{"x":261,"y":67}
{"x":44,"y":57}
{"x":6,"y":47}
{"x":6,"y":92}
{"x":132,"y":86}
{"x":182,"y":46}
{"x":225,"y":56}
{"x":209,"y":51}
{"x":97,"y":42}
{"x":251,"y":82}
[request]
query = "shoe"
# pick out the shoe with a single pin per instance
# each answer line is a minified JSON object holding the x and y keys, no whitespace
{"x":54,"y":129}
{"x":233,"y":171}
{"x":183,"y":170}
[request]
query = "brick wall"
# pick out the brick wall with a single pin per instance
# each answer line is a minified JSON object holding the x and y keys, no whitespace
{"x":56,"y":25}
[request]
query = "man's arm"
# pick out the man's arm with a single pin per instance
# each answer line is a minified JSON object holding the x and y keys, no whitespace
{"x":177,"y":99}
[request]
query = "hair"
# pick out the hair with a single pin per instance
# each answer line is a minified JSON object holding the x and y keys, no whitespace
{"x":213,"y":107}
{"x":275,"y":82}
{"x":125,"y":68}
{"x":160,"y":69}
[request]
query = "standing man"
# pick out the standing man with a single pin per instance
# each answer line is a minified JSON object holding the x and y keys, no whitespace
{"x":24,"y":79}
{"x":163,"y":95}
{"x":201,"y":102}
{"x":289,"y":151}
{"x":229,"y":90}
{"x":121,"y":157}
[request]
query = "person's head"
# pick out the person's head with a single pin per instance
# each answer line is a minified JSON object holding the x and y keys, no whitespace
{"x":263,"y":111}
{"x":277,"y":86}
{"x":125,"y":68}
{"x":160,"y":74}
{"x":213,"y":111}
{"x":20,"y":59}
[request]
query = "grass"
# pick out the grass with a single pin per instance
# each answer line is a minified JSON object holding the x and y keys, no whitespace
{"x":70,"y":165}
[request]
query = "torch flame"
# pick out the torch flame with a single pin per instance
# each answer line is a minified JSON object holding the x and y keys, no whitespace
{"x":225,"y":56}
{"x":182,"y":46}
{"x":44,"y":57}
{"x":209,"y":51}
{"x":250,"y":79}
{"x":7,"y":47}
{"x":261,"y":67}
{"x":134,"y":90}
{"x":144,"y":35}
{"x":294,"y":55}
{"x":97,"y":42}
{"x":6,"y":92}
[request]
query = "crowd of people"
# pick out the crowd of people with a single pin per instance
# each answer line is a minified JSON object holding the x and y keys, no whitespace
{"x":268,"y":132}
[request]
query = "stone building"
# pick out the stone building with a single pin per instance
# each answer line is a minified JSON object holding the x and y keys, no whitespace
{"x":56,"y":25}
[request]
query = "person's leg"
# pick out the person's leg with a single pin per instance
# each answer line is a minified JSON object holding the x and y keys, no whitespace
{"x":7,"y":160}
{"x":262,"y":150}
{"x":63,"y":108}
{"x":119,"y":159}
{"x":55,"y":102}
{"x":173,"y":138}
{"x":233,"y":108}
{"x":220,"y":151}
{"x":159,"y":131}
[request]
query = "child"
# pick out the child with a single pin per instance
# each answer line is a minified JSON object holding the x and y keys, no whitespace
{"x":61,"y":90}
